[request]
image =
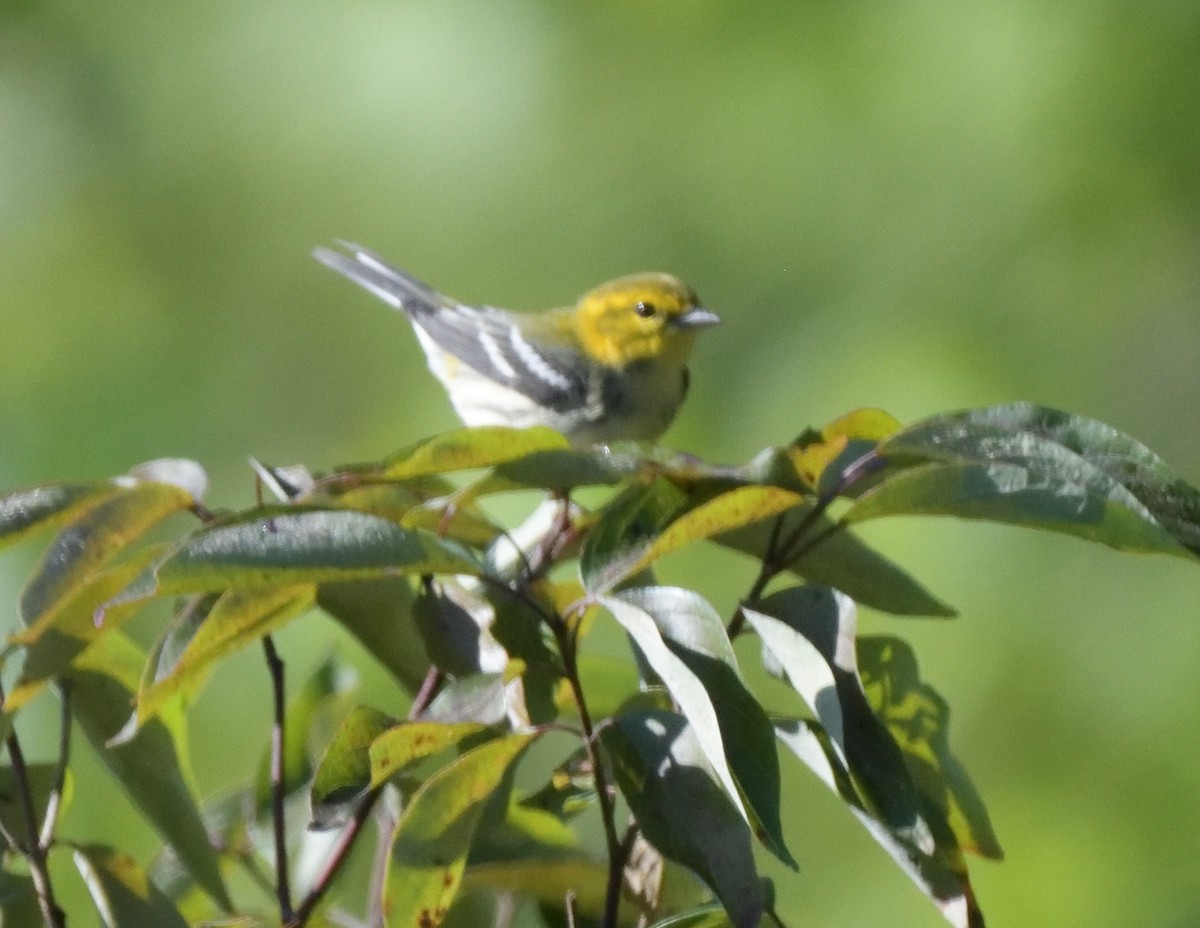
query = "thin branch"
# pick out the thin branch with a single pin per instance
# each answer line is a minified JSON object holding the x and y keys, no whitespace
{"x":429,"y":689}
{"x":616,"y":857}
{"x":282,"y":888}
{"x":35,"y":854}
{"x":54,"y":802}
{"x":336,"y":859}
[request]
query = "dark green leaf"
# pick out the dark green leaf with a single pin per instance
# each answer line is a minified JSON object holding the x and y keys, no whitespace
{"x":919,"y":720}
{"x":18,"y":900}
{"x":454,"y":625}
{"x":282,"y":545}
{"x":436,"y":829}
{"x":808,"y":633}
{"x":706,"y":916}
{"x":122,"y":891}
{"x":379,"y":614}
{"x":942,"y":876}
{"x":1083,"y":457}
{"x":694,"y":701}
{"x":696,"y":635}
{"x":344,"y":771}
{"x":626,"y":528}
{"x":663,"y":773}
{"x":151,"y":764}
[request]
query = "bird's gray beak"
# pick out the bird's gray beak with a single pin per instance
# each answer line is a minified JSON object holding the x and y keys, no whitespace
{"x":696,"y":318}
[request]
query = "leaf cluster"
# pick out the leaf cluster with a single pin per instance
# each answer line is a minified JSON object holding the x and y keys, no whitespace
{"x":671,"y":755}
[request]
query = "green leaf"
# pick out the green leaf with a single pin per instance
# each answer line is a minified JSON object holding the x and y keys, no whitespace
{"x":841,"y":561}
{"x":469,"y":448}
{"x":122,"y":891}
{"x":454,"y":625}
{"x":663,"y":772}
{"x":649,"y":522}
{"x":436,"y":829}
{"x":314,"y":700}
{"x":625,"y":529}
{"x":401,"y":746}
{"x":286,"y":545}
{"x":683,"y":684}
{"x":93,"y":539}
{"x":23,"y":512}
{"x":941,"y":875}
{"x":808,"y":634}
{"x":481,"y":697}
{"x":41,"y":778}
{"x":919,"y":720}
{"x":150,"y":764}
{"x":344,"y":771}
{"x":822,"y":456}
{"x":1033,"y":465}
{"x":238,"y":618}
{"x":18,"y":900}
{"x":379,"y":614}
{"x":695,"y":633}
{"x":60,"y":635}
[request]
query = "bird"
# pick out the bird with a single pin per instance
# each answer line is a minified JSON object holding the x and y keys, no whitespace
{"x":609,"y":369}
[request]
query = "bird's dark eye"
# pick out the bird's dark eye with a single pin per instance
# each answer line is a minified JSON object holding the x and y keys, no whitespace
{"x":644,"y":309}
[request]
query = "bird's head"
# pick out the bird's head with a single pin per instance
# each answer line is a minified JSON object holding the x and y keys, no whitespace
{"x":642,"y":317}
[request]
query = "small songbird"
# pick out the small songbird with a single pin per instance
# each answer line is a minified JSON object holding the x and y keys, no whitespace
{"x":613,"y":367}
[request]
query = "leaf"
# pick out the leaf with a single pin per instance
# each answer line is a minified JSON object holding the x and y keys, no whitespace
{"x":401,"y":746}
{"x":1113,"y":489}
{"x":151,"y":764}
{"x":655,"y":520}
{"x":41,"y":778}
{"x":696,"y":635}
{"x":49,"y":505}
{"x":469,"y":448}
{"x":809,"y":634}
{"x":481,"y":698}
{"x":706,"y":916}
{"x":942,"y":876}
{"x":237,"y":618}
{"x":344,"y":771}
{"x":663,"y":772}
{"x":287,"y":545}
{"x":688,"y":690}
{"x":821,"y":457}
{"x":625,"y":529}
{"x":122,"y":891}
{"x":435,"y":831}
{"x":93,"y":539}
{"x":316,"y":697}
{"x":379,"y":614}
{"x":841,"y":561}
{"x":454,"y":625}
{"x":919,"y":720}
{"x":60,"y":635}
{"x":18,"y":900}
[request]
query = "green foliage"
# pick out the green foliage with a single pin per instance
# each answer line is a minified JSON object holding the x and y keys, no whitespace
{"x":519,"y":741}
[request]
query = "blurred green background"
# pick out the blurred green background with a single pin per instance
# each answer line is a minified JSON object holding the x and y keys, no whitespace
{"x":918,"y":206}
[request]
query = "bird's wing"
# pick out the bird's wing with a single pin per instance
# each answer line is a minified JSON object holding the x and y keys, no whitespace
{"x":484,"y":338}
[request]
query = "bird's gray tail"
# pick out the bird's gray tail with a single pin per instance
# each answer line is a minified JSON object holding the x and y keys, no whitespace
{"x":390,"y":284}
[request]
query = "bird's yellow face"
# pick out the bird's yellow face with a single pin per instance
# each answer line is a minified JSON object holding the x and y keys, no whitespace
{"x":639,"y":318}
